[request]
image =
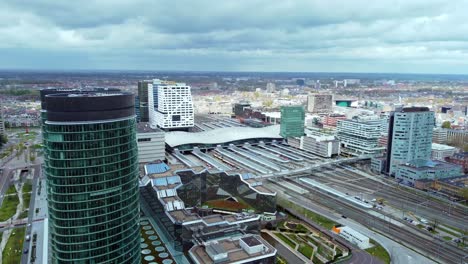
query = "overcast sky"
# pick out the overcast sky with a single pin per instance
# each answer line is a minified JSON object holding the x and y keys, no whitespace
{"x":407,"y":36}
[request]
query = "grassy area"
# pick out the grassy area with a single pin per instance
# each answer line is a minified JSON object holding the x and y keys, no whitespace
{"x":23,"y":215}
{"x":26,"y":200}
{"x":296,"y":227}
{"x":447,"y":238}
{"x":455,"y":229}
{"x":286,"y":240}
{"x":379,"y":252}
{"x":227,"y":205}
{"x":27,"y":187}
{"x":29,"y":136}
{"x":306,"y":250}
{"x":448,"y":231}
{"x":322,"y":221}
{"x":13,"y":249}
{"x":11,"y":190}
{"x":8,"y":208}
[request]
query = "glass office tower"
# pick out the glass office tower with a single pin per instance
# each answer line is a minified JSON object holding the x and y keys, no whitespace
{"x":292,"y":121}
{"x":409,"y":136}
{"x":91,"y":166}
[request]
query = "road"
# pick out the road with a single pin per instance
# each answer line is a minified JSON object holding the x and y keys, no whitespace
{"x":432,"y":247}
{"x":399,"y":254}
{"x":27,"y":244}
{"x":359,"y":183}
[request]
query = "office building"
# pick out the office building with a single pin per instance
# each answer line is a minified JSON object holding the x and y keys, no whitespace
{"x":320,"y":103}
{"x":420,"y":169}
{"x":360,"y":137}
{"x":441,"y":152}
{"x":193,"y":208}
{"x":151,"y":143}
{"x":330,"y":121}
{"x":458,"y":138}
{"x":439,"y":135}
{"x":91,"y":167}
{"x":317,"y":142}
{"x":292,"y":121}
{"x":351,"y":82}
{"x":142,"y":105}
{"x":409,"y":136}
{"x":239,"y":108}
{"x":170,"y":105}
{"x":270,"y":87}
{"x":2,"y":121}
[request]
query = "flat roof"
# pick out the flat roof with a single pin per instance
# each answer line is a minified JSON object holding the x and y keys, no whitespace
{"x":251,"y":241}
{"x":144,"y":127}
{"x":235,"y":253}
{"x":221,"y":135}
{"x":436,"y":146}
{"x":421,"y":164}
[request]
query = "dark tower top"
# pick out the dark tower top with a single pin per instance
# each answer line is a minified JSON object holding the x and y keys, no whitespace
{"x":47,"y":91}
{"x":88,"y":106}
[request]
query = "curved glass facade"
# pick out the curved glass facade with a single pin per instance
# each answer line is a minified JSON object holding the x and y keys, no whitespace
{"x":92,"y":189}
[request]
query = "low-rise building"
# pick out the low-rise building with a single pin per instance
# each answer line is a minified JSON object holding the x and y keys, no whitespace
{"x":151,"y":143}
{"x":246,"y":249}
{"x":451,"y":186}
{"x":352,"y":236}
{"x":460,"y":159}
{"x":441,"y":152}
{"x":426,"y":169}
{"x":378,"y":164}
{"x":317,"y":142}
{"x":331,"y":120}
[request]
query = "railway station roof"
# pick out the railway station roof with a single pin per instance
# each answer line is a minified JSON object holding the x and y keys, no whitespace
{"x":221,"y":135}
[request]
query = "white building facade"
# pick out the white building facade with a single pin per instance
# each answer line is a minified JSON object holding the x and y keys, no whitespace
{"x":440,"y":151}
{"x":170,"y":105}
{"x":151,"y":143}
{"x":360,"y":137}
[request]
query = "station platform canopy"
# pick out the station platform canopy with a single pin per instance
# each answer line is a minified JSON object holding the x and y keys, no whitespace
{"x":221,"y":136}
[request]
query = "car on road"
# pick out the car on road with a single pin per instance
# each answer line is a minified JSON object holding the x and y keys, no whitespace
{"x":28,"y":238}
{"x":26,"y":251}
{"x":344,"y":216}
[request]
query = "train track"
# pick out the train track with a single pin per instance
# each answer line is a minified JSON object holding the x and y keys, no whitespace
{"x":436,"y":248}
{"x":399,"y":197}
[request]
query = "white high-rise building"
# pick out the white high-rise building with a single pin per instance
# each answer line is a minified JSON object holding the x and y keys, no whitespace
{"x":170,"y":105}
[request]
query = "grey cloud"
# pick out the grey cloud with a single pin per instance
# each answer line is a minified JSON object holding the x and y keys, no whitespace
{"x":273,"y":35}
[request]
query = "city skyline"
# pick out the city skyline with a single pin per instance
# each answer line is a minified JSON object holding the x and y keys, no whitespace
{"x":416,"y":37}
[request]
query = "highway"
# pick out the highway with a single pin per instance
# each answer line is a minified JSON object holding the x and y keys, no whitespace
{"x":435,"y":248}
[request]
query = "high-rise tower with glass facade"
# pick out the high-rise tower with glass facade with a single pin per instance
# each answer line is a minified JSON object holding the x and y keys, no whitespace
{"x":409,"y":136}
{"x":91,"y":167}
{"x":292,"y":121}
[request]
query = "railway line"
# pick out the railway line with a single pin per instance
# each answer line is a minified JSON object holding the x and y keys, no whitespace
{"x":398,"y":197}
{"x":434,"y":247}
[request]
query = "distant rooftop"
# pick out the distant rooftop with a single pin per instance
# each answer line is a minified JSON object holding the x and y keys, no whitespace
{"x":421,"y":164}
{"x":436,"y":146}
{"x":144,"y":127}
{"x":413,"y":109}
